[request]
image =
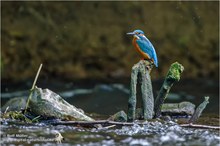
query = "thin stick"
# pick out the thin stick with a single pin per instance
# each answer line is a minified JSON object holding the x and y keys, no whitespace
{"x":33,"y":85}
{"x":6,"y":110}
{"x":108,"y":127}
{"x":36,"y":77}
{"x":111,"y":124}
{"x":92,"y":123}
{"x":200,"y":126}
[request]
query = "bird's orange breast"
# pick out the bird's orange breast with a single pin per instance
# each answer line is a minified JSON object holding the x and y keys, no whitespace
{"x":138,"y":49}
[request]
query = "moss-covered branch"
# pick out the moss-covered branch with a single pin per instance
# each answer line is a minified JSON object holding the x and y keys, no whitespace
{"x":173,"y":75}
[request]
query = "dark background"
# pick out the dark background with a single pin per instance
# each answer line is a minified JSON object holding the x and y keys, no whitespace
{"x":87,"y":40}
{"x":83,"y":44}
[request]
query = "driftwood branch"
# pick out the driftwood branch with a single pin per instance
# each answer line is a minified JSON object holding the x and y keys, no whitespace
{"x":200,"y":126}
{"x":173,"y":75}
{"x":92,"y":123}
{"x":110,"y":124}
{"x":199,"y":110}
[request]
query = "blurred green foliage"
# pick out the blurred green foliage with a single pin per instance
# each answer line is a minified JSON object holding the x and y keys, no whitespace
{"x":88,"y":39}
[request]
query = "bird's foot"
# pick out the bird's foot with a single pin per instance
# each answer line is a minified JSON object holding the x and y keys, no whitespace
{"x":148,"y":63}
{"x":148,"y":68}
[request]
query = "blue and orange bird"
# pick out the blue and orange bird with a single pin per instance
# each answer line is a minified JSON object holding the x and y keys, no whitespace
{"x":143,"y":46}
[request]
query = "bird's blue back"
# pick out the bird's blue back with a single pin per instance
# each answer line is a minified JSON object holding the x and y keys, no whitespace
{"x":146,"y":46}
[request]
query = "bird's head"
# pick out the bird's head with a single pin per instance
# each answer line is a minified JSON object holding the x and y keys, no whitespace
{"x":136,"y":33}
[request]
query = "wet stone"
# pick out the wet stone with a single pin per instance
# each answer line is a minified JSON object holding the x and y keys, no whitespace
{"x":15,"y":104}
{"x":182,"y":108}
{"x":46,"y":103}
{"x":120,"y":116}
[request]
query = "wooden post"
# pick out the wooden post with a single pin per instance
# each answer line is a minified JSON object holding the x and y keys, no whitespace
{"x":144,"y":67}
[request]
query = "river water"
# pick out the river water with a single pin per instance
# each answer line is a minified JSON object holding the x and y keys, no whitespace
{"x":101,"y":100}
{"x":156,"y":133}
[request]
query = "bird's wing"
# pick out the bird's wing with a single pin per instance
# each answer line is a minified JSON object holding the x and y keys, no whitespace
{"x":146,"y":46}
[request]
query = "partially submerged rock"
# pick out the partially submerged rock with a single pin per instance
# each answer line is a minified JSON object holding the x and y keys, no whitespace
{"x":15,"y":104}
{"x":46,"y":103}
{"x":181,"y":108}
{"x":120,"y":116}
{"x":172,"y":109}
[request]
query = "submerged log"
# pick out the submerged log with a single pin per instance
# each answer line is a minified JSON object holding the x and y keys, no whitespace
{"x":48,"y":104}
{"x":173,"y":75}
{"x":143,"y":67}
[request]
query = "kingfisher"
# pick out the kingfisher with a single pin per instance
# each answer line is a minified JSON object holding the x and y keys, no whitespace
{"x":143,"y":46}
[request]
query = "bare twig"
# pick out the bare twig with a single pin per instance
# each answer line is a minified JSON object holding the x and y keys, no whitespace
{"x":6,"y":110}
{"x":108,"y":127}
{"x":36,"y":77}
{"x":92,"y":123}
{"x":200,"y":126}
{"x":199,"y":110}
{"x":110,"y":124}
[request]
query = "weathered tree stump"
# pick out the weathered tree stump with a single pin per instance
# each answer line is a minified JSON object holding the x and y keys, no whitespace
{"x":173,"y":76}
{"x":143,"y":67}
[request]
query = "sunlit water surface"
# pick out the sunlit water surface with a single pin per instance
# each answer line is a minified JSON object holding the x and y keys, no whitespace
{"x":152,"y":133}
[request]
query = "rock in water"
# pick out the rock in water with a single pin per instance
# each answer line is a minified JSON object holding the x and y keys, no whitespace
{"x":46,"y":103}
{"x":15,"y":104}
{"x":172,"y":109}
{"x":120,"y":116}
{"x":178,"y":108}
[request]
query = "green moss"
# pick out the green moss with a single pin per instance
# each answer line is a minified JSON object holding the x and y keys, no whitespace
{"x":175,"y":71}
{"x":15,"y":115}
